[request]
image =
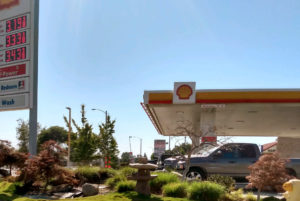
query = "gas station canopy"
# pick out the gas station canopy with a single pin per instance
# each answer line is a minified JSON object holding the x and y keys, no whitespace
{"x":237,"y":112}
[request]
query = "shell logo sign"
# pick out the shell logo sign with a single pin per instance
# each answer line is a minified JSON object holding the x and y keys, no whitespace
{"x":5,"y":4}
{"x":184,"y":93}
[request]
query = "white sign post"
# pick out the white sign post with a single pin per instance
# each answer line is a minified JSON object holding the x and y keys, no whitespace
{"x":19,"y":60}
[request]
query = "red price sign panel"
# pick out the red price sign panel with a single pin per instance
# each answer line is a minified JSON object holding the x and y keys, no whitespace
{"x":14,"y":55}
{"x":15,"y":24}
{"x":14,"y":39}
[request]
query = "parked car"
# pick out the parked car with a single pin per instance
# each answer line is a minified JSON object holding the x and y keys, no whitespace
{"x":232,"y":159}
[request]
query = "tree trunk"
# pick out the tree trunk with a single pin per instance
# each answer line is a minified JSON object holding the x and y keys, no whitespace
{"x":258,"y":194}
{"x":187,"y":165}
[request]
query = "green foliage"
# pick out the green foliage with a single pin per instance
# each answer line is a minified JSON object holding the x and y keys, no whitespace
{"x":105,"y":173}
{"x":23,"y":135}
{"x":84,"y":146}
{"x":56,"y":133}
{"x":226,"y":181}
{"x":88,"y":174}
{"x":124,"y":186}
{"x":126,"y":196}
{"x":93,"y":174}
{"x":125,"y":158}
{"x":161,"y":180}
{"x":107,"y":144}
{"x":127,"y":171}
{"x":233,"y":196}
{"x":206,"y":191}
{"x":175,"y":190}
{"x":270,"y":199}
{"x":182,"y":149}
{"x":112,"y":182}
{"x":250,"y":197}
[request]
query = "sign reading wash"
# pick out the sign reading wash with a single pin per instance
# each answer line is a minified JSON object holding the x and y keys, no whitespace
{"x":14,"y":102}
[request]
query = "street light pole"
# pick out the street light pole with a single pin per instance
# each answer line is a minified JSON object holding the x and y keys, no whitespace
{"x":69,"y":137}
{"x":105,"y":112}
{"x":140,"y":144}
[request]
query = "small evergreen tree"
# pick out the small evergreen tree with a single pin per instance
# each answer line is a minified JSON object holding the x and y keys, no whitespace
{"x":84,"y":146}
{"x":268,"y":171}
{"x":107,"y":144}
{"x":23,"y":135}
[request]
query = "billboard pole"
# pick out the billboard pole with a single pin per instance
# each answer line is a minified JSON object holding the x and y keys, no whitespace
{"x":33,"y":110}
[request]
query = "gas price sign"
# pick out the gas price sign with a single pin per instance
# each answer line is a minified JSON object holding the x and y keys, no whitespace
{"x":18,"y":55}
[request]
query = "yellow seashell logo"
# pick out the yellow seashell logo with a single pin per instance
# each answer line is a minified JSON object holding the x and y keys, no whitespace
{"x":184,"y":92}
{"x":4,"y":4}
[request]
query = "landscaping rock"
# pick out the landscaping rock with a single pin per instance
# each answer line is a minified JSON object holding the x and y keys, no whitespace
{"x":89,"y":189}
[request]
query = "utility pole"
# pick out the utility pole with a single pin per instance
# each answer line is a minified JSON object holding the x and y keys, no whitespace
{"x":130,"y":144}
{"x":69,"y":136}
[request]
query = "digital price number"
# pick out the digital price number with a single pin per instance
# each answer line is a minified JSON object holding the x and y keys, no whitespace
{"x":15,"y":54}
{"x":15,"y":39}
{"x":16,"y":23}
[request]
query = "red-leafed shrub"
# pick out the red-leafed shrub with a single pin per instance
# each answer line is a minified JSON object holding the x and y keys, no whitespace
{"x":44,"y":167}
{"x":10,"y":157}
{"x":268,"y":172}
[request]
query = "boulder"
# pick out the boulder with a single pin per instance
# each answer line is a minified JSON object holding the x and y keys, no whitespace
{"x":89,"y":189}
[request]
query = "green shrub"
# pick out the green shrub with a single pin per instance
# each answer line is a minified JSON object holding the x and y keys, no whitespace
{"x":226,"y":181}
{"x":175,"y":190}
{"x":127,"y":171}
{"x":124,"y":186}
{"x":250,"y":197}
{"x":89,"y":174}
{"x":206,"y":191}
{"x":112,"y":182}
{"x":270,"y":199}
{"x":233,"y":196}
{"x":161,"y":180}
{"x":105,"y":173}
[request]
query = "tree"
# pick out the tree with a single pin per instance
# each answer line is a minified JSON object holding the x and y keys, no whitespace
{"x":84,"y":146}
{"x":187,"y":128}
{"x":23,"y":135}
{"x":56,"y":133}
{"x":44,"y":167}
{"x":268,"y":171}
{"x":10,"y":157}
{"x":107,"y":144}
{"x":182,"y":149}
{"x":125,"y":158}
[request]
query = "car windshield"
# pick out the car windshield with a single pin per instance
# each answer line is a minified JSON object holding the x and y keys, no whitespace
{"x":206,"y":151}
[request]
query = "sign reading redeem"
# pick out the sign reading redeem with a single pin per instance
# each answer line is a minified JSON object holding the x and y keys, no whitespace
{"x":17,"y":43}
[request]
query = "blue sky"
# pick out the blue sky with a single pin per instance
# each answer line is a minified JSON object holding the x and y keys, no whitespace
{"x":104,"y":54}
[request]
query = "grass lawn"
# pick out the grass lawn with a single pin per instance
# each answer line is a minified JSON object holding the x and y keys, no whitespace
{"x":7,"y":189}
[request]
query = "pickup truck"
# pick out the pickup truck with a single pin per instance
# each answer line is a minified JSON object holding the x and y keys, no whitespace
{"x":232,"y":159}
